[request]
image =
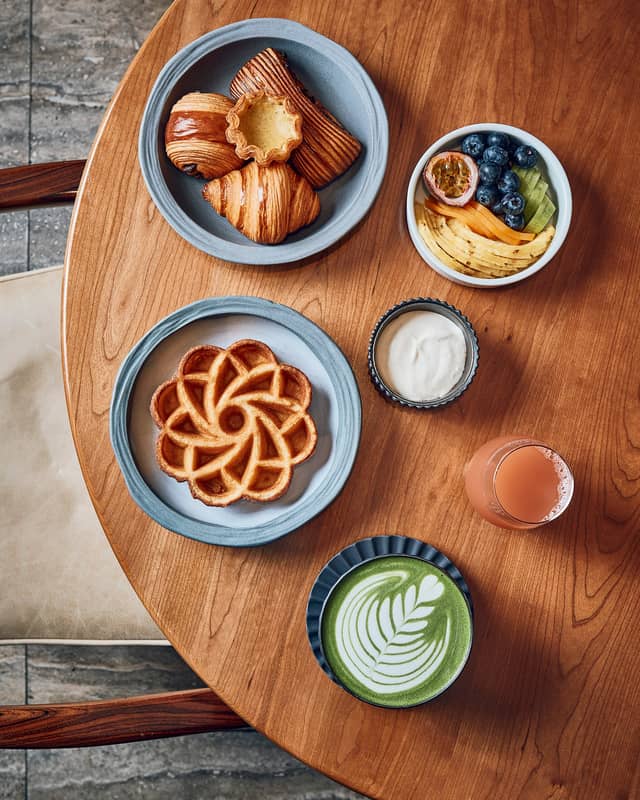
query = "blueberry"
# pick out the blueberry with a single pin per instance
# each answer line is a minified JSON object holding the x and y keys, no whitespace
{"x":515,"y":221}
{"x":498,"y":208}
{"x":499,"y":140}
{"x":473,"y":145}
{"x":525,"y":156}
{"x":487,"y":194}
{"x":496,"y":155}
{"x":489,"y":173}
{"x":513,"y":203}
{"x":513,"y":144}
{"x":509,"y":182}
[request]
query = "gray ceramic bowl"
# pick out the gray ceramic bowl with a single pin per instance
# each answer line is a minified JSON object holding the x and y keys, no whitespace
{"x":329,"y":72}
{"x":448,"y":311}
{"x":335,"y":408}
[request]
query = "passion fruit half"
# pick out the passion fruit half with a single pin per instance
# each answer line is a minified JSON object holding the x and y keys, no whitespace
{"x":451,"y":177}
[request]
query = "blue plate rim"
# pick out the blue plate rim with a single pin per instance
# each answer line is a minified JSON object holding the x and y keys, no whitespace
{"x":355,"y":555}
{"x":261,"y":255}
{"x":346,"y":439}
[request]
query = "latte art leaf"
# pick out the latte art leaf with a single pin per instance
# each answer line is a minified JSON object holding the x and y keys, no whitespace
{"x":391,"y":641}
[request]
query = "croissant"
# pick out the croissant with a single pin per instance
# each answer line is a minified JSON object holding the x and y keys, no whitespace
{"x":195,"y":139}
{"x":327,"y":149}
{"x":264,"y":203}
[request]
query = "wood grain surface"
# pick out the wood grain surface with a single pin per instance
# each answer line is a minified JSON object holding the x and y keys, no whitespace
{"x":40,"y":184}
{"x":548,"y":706}
{"x":134,"y":719}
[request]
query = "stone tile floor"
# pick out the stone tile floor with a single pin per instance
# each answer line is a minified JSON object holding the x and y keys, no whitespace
{"x":219,"y":766}
{"x":60,"y":61}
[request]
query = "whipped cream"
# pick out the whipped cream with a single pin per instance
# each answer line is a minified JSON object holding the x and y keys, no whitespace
{"x":420,"y":355}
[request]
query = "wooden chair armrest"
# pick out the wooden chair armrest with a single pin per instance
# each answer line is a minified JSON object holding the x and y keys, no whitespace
{"x":40,"y":184}
{"x":102,"y":722}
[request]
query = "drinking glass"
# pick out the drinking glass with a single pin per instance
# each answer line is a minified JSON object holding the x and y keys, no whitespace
{"x":518,"y":483}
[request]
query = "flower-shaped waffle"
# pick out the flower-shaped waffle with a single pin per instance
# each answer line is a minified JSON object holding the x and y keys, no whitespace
{"x":233,"y":423}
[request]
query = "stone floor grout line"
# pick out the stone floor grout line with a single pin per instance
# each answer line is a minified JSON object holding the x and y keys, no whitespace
{"x":26,"y":701}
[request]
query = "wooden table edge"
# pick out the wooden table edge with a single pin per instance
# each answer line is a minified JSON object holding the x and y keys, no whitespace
{"x":65,"y":375}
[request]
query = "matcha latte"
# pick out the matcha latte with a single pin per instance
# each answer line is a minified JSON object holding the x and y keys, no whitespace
{"x":396,"y":631}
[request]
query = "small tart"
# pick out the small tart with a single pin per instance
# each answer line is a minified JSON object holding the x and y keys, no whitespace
{"x":264,"y":127}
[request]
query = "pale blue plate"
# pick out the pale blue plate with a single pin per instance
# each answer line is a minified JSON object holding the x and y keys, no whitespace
{"x":329,"y":72}
{"x":295,"y":340}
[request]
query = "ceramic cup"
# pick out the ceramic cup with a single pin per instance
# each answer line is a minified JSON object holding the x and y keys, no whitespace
{"x":390,"y":620}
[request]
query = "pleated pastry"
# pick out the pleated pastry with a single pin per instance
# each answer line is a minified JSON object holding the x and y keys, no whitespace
{"x":327,"y":149}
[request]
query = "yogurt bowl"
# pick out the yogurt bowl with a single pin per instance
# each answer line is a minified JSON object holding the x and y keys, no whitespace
{"x":551,"y":171}
{"x":423,"y":353}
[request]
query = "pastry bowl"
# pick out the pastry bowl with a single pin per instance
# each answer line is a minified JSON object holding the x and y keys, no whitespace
{"x":552,"y":171}
{"x":329,"y":72}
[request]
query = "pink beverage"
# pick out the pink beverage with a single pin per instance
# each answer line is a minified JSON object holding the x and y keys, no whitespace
{"x":518,"y":483}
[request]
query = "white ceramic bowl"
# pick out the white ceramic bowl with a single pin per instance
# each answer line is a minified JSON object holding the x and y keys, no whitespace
{"x":553,"y":173}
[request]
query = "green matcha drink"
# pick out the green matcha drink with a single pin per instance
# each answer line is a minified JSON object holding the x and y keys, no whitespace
{"x":396,"y":631}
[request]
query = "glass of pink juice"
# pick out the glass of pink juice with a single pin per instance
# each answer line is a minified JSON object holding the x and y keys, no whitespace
{"x":518,"y":483}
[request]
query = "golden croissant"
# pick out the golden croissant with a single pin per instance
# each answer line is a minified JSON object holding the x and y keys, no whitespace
{"x":264,"y":203}
{"x":195,"y":139}
{"x":327,"y":149}
{"x":233,"y":423}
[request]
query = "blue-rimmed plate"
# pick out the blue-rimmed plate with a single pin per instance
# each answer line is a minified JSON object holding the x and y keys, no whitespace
{"x":295,"y":340}
{"x":329,"y":72}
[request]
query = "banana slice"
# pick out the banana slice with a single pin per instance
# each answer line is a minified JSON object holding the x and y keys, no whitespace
{"x":433,"y":245}
{"x":533,"y":249}
{"x":466,"y":251}
{"x":476,"y":253}
{"x":460,"y":256}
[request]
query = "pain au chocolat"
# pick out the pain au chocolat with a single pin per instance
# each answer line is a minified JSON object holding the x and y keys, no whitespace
{"x":264,"y":203}
{"x":195,"y":139}
{"x":327,"y":149}
{"x":233,"y":423}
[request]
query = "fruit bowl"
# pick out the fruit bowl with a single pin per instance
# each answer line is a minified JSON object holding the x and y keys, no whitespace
{"x":552,"y":172}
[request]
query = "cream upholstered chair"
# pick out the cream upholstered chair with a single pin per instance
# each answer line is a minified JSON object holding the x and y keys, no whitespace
{"x":59,"y":580}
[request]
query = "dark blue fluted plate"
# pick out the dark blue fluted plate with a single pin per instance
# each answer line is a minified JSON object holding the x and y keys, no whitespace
{"x":295,"y":340}
{"x":361,"y":552}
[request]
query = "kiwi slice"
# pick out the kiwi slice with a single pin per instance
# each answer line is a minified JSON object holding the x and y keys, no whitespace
{"x":528,"y":179}
{"x":534,"y":197}
{"x":543,"y":214}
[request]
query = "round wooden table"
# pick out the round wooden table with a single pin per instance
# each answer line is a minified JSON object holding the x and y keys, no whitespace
{"x":548,"y":706}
